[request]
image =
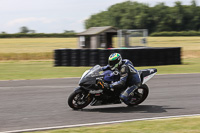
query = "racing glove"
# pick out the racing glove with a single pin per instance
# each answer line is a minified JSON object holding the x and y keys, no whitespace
{"x":106,"y":85}
{"x":100,"y":83}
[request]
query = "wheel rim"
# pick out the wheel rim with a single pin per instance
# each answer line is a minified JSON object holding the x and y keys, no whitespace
{"x":138,"y":94}
{"x":80,"y":100}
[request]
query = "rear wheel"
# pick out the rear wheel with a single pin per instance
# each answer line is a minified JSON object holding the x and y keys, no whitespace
{"x":139,"y":95}
{"x":79,"y":99}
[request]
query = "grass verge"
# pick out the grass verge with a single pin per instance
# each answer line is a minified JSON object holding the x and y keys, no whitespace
{"x":174,"y":125}
{"x":11,"y":70}
{"x":26,"y":56}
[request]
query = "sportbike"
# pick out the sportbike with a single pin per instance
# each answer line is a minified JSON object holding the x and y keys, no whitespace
{"x":91,"y":88}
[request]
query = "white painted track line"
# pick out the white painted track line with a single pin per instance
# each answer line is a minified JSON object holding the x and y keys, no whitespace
{"x":98,"y":123}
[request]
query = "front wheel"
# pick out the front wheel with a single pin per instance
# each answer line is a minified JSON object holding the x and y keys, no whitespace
{"x":79,"y":99}
{"x":139,"y":96}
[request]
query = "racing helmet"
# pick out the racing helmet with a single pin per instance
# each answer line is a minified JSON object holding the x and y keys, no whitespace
{"x":114,"y":60}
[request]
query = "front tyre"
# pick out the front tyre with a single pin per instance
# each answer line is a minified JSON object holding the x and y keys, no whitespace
{"x":79,"y":99}
{"x":139,"y":95}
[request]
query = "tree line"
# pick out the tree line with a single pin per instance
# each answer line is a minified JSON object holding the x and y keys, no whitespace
{"x":25,"y":32}
{"x":134,"y":15}
{"x":38,"y":35}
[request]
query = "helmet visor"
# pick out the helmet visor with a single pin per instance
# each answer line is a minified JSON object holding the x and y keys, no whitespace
{"x":113,"y":63}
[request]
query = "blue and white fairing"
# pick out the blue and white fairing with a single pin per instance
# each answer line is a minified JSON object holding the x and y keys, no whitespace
{"x":90,"y":77}
{"x":95,"y":73}
{"x":147,"y":74}
{"x":110,"y":76}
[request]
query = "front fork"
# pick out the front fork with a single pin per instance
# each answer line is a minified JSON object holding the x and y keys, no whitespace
{"x":78,"y":89}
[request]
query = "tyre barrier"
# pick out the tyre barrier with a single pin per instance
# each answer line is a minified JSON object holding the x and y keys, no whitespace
{"x":94,"y":57}
{"x":75,"y":57}
{"x":147,"y":56}
{"x":103,"y":57}
{"x":58,"y":57}
{"x":84,"y":57}
{"x":66,"y":57}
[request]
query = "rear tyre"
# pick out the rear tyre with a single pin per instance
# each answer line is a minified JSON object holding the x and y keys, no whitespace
{"x":79,"y":99}
{"x":139,"y":95}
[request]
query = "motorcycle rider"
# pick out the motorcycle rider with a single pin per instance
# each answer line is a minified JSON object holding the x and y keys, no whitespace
{"x":129,"y":77}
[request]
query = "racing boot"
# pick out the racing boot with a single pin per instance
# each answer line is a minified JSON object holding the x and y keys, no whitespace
{"x":128,"y":93}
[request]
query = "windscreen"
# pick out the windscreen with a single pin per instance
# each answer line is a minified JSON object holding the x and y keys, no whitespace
{"x":93,"y":72}
{"x":89,"y":77}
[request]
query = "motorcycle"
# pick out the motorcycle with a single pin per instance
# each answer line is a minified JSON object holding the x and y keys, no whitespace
{"x":92,"y":91}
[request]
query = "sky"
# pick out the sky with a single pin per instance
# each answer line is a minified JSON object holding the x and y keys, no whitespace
{"x":55,"y":16}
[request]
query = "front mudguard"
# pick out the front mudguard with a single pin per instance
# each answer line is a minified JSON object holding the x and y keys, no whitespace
{"x":78,"y":89}
{"x":81,"y":97}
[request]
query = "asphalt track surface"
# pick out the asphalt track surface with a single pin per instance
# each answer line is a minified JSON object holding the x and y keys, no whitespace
{"x":29,"y":104}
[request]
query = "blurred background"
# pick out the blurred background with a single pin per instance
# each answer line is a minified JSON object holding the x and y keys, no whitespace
{"x":31,"y":31}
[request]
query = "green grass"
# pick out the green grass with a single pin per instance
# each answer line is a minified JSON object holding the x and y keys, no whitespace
{"x":26,"y":56}
{"x":36,"y":70}
{"x":11,"y":70}
{"x":175,"y":125}
{"x":189,"y":65}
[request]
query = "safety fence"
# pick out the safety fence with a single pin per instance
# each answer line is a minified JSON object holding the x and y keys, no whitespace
{"x":147,"y":56}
